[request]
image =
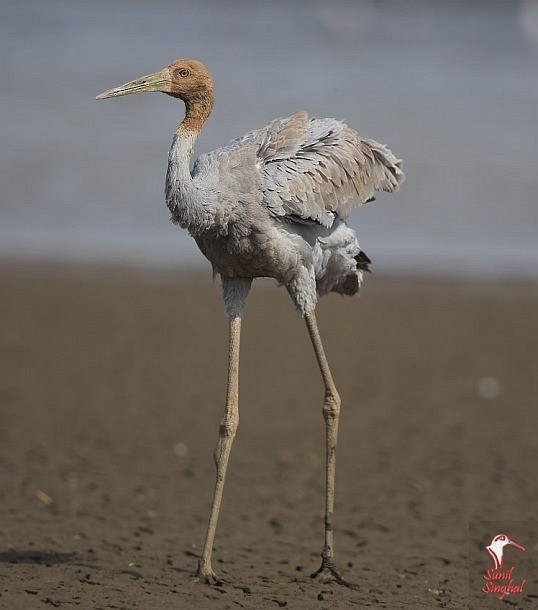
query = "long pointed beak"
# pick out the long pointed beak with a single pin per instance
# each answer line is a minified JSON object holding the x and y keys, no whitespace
{"x":518,"y":546}
{"x":158,"y":81}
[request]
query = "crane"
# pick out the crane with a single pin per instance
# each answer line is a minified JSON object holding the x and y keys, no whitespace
{"x":271,"y":203}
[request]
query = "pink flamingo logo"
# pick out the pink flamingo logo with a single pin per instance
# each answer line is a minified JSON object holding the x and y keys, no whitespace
{"x":496,"y":549}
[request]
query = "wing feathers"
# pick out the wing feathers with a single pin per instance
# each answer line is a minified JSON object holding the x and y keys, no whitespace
{"x":313,"y":167}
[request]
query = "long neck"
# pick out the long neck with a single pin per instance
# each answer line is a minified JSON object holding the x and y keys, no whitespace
{"x":197,"y":109}
{"x":184,"y":200}
{"x":178,"y":177}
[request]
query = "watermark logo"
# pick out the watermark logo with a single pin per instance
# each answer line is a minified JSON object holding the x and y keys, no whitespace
{"x":501,"y":582}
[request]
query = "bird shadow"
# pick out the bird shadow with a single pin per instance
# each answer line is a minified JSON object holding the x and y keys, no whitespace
{"x":50,"y":558}
{"x":44,"y":558}
{"x":35,"y":557}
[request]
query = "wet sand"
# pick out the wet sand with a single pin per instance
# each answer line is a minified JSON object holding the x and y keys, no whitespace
{"x":114,"y":384}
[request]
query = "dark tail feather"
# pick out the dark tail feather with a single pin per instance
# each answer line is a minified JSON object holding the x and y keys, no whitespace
{"x":363,"y":262}
{"x":351,"y":284}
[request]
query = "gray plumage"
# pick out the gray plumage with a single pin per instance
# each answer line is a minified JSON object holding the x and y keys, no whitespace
{"x":272,"y":203}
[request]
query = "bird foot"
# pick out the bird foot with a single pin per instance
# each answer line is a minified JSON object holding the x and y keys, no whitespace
{"x":329,"y":574}
{"x":206,"y":576}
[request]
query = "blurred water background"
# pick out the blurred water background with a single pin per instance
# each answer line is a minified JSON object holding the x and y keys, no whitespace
{"x":450,"y":86}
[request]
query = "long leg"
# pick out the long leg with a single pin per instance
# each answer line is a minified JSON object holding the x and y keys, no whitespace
{"x":227,"y":430}
{"x":331,"y":412}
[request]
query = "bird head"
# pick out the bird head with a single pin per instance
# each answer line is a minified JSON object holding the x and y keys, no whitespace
{"x":186,"y":79}
{"x":501,"y":540}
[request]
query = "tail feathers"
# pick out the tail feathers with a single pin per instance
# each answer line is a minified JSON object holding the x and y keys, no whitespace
{"x":351,"y":285}
{"x":363,"y":262}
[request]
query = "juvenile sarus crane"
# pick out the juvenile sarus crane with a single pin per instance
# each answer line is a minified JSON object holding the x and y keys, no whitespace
{"x":272,"y":203}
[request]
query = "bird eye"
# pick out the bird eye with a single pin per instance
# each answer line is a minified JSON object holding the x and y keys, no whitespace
{"x":184,"y":73}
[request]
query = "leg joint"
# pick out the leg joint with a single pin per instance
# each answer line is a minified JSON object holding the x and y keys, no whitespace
{"x":228,"y":426}
{"x":331,"y":406}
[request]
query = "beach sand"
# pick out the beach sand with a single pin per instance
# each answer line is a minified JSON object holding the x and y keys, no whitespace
{"x":113,"y":390}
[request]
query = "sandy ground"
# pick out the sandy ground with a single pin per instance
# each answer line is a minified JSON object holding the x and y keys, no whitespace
{"x":113,"y":388}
